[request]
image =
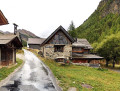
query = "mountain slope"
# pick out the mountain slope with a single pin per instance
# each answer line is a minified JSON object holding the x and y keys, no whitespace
{"x":24,"y":34}
{"x":103,"y":22}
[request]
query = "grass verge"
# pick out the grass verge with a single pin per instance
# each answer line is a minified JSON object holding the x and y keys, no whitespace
{"x":75,"y":76}
{"x":5,"y":71}
{"x":20,"y":51}
{"x":110,"y":66}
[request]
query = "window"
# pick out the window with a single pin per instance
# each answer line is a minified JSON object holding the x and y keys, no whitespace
{"x":58,"y":48}
{"x":77,"y":49}
{"x":85,"y":52}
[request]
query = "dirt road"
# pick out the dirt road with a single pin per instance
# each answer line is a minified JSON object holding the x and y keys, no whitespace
{"x":33,"y":76}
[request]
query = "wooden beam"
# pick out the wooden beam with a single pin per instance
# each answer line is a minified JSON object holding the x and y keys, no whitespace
{"x":0,"y":56}
{"x":13,"y":56}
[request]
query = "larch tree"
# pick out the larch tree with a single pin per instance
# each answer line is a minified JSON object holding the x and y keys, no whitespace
{"x":71,"y":30}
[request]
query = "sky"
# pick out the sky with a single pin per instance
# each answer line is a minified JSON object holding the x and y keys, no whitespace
{"x":42,"y":17}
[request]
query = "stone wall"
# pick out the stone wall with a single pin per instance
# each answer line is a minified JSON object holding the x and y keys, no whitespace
{"x":48,"y":51}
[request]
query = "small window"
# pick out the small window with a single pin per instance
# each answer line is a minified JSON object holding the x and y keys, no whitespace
{"x":58,"y":48}
{"x":77,"y":49}
{"x":85,"y":52}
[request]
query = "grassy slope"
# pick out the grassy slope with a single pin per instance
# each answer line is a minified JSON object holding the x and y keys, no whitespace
{"x":74,"y":76}
{"x":100,"y":80}
{"x":5,"y":71}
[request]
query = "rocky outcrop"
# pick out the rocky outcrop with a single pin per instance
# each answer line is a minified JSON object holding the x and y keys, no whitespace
{"x":27,"y":33}
{"x":109,"y":6}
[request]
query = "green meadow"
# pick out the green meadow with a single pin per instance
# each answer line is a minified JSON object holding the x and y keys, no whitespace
{"x":100,"y":79}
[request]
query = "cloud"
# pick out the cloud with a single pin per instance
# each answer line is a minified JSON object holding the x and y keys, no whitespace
{"x":42,"y":17}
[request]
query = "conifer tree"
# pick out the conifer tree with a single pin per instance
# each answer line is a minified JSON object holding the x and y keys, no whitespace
{"x":71,"y":30}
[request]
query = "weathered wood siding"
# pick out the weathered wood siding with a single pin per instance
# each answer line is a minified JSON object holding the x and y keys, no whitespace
{"x":59,"y":38}
{"x":77,"y":50}
{"x":6,"y":56}
{"x":85,"y":61}
{"x":34,"y":46}
{"x":80,"y":50}
{"x":79,"y":61}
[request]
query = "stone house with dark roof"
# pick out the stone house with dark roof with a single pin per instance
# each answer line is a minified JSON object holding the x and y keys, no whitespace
{"x":61,"y":46}
{"x":58,"y":45}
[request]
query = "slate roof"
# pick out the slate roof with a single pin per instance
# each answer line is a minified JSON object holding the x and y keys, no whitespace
{"x":82,"y":43}
{"x":60,"y":28}
{"x":35,"y":40}
{"x":87,"y":56}
{"x":5,"y":39}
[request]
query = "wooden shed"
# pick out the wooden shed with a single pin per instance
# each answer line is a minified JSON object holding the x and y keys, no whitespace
{"x":8,"y":46}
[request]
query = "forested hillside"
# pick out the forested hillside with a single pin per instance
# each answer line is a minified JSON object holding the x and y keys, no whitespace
{"x":102,"y":30}
{"x":103,"y":22}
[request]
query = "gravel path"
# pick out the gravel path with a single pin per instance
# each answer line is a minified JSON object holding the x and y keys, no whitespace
{"x":21,"y":56}
{"x":33,"y":76}
{"x":116,"y":70}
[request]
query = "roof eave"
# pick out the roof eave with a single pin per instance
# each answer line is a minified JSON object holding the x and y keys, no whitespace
{"x":13,"y":39}
{"x":5,"y":21}
{"x":60,"y":27}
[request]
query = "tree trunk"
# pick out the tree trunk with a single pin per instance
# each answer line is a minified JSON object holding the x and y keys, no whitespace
{"x":117,"y":62}
{"x":113,"y":63}
{"x":107,"y":62}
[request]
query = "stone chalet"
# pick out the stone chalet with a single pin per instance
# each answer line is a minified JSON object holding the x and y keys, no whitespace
{"x":60,"y":46}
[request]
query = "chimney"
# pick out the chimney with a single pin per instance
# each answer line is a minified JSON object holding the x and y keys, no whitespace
{"x":15,"y":28}
{"x":75,"y":39}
